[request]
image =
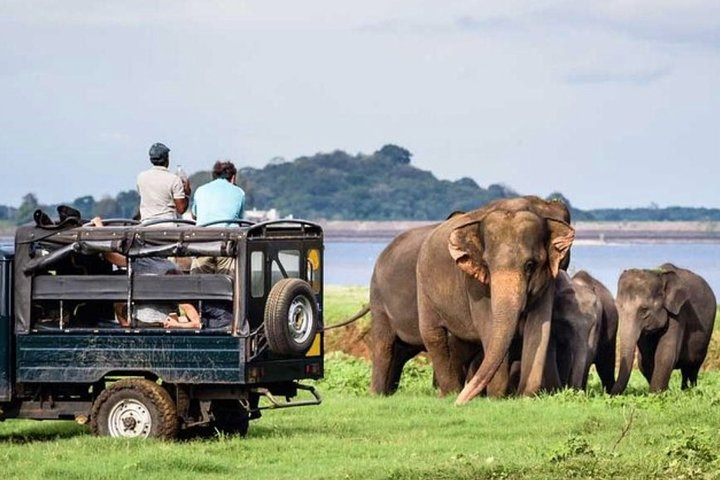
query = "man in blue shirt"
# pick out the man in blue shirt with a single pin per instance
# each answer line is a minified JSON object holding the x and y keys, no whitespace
{"x":218,"y":200}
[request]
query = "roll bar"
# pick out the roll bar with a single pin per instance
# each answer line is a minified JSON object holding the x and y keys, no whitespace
{"x":159,"y":221}
{"x":240,"y":223}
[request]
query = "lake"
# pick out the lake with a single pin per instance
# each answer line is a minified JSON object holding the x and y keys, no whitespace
{"x":351,"y":263}
{"x":348,"y":263}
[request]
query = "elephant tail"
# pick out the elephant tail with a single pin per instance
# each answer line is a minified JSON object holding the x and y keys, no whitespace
{"x":364,"y":311}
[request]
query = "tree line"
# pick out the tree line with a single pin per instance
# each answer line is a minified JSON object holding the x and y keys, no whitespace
{"x":340,"y":186}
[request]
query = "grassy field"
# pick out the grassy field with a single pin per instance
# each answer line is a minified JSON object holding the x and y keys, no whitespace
{"x":411,"y":435}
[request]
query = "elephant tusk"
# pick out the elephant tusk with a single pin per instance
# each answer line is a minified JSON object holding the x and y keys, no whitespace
{"x":469,"y":392}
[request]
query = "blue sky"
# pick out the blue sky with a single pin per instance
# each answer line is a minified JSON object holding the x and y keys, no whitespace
{"x":613,"y":103}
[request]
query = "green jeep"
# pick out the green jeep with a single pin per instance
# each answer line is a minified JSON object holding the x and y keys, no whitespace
{"x":65,"y":355}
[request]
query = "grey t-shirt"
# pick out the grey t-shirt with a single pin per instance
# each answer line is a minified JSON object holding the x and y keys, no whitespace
{"x":158,"y":189}
{"x":153,"y":313}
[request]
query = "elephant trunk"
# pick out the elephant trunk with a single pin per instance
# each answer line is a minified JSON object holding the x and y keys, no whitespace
{"x":507,"y":293}
{"x":629,"y":335}
{"x":579,"y":360}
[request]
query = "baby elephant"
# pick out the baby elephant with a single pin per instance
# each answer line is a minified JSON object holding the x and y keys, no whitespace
{"x":584,"y":326}
{"x":668,"y":314}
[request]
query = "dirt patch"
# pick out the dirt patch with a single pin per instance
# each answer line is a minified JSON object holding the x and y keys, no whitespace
{"x":352,"y":340}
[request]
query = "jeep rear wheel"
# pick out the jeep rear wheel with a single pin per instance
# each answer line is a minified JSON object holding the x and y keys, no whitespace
{"x":291,"y":317}
{"x":133,"y":408}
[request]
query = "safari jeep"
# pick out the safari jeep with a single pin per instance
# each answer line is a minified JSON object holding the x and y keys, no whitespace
{"x":65,"y":354}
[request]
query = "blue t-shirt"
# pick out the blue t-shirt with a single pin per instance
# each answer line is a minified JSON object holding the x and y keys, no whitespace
{"x":218,"y":200}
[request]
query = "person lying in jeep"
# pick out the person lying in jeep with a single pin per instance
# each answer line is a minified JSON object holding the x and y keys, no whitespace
{"x":216,"y":315}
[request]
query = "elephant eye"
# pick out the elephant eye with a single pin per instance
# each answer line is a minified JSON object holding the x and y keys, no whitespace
{"x":530,"y":266}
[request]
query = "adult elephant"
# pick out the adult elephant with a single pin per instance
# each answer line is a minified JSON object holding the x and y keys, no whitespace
{"x":394,"y":331}
{"x":668,"y":314}
{"x":485,"y":277}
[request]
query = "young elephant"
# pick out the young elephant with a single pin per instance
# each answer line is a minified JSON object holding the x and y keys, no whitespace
{"x":584,"y":328}
{"x":668,"y":314}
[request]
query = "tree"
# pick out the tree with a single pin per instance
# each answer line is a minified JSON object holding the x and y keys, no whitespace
{"x":7,"y":213}
{"x":107,"y":207}
{"x":85,"y":205}
{"x":27,"y":208}
{"x":128,"y":203}
{"x":560,"y":197}
{"x":395,"y":153}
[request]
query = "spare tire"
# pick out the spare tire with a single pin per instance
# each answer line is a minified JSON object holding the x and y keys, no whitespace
{"x":291,"y":317}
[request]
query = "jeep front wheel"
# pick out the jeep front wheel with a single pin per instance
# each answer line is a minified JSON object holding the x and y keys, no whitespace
{"x":291,"y":317}
{"x":133,"y":408}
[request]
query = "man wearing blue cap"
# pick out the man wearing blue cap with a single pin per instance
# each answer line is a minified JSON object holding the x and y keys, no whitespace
{"x":163,"y":195}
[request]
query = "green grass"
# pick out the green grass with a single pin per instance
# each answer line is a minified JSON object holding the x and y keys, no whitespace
{"x":344,"y":302}
{"x":412,"y":435}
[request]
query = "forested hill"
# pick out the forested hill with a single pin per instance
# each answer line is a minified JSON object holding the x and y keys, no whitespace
{"x":385,"y":186}
{"x":339,"y":186}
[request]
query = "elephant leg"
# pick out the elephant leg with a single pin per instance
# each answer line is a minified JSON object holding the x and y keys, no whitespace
{"x":665,"y":359}
{"x":499,"y":385}
{"x":605,"y":364}
{"x":402,"y":352}
{"x":437,"y":342}
{"x":536,"y":337}
{"x":563,"y":360}
{"x":579,"y":367}
{"x":465,"y":357}
{"x":383,"y":340}
{"x":646,"y":357}
{"x":689,"y":375}
{"x":514,"y":380}
{"x":552,"y":376}
{"x":447,"y":374}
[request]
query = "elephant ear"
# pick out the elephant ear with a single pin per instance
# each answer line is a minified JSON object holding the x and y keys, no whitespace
{"x":467,"y":250}
{"x":559,"y":243}
{"x":675,"y":293}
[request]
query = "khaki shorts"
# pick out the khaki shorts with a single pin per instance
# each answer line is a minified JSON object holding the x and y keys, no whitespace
{"x":224,"y":265}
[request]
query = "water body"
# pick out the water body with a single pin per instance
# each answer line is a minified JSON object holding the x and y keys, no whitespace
{"x":352,"y":263}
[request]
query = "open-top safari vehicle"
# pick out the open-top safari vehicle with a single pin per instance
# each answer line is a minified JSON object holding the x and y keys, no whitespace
{"x":64,"y":354}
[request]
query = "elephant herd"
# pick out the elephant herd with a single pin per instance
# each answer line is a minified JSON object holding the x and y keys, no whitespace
{"x":487,"y":295}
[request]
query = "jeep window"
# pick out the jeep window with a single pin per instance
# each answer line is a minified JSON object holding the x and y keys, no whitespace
{"x":313,"y":269}
{"x":257,"y":274}
{"x":285,"y":265}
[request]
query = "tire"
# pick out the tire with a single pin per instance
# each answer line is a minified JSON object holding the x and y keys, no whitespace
{"x":291,"y":317}
{"x":230,"y":416}
{"x":134,"y":408}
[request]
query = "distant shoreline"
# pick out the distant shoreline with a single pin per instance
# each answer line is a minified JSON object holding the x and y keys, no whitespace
{"x":585,"y":232}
